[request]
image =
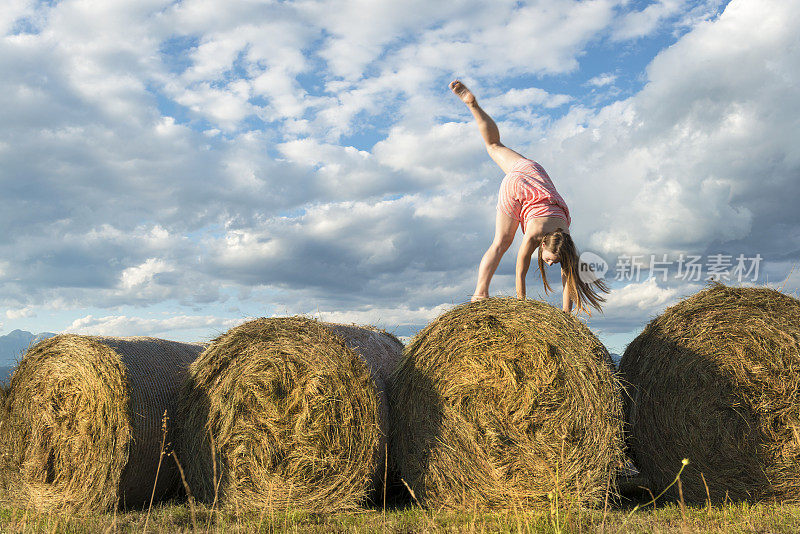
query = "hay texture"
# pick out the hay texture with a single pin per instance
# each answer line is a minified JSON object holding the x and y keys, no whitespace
{"x":503,"y":403}
{"x":288,"y":412}
{"x":5,"y":440}
{"x":84,"y":425}
{"x":716,"y":379}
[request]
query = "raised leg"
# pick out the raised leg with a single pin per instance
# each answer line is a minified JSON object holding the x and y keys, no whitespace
{"x":504,"y":231}
{"x":501,"y":154}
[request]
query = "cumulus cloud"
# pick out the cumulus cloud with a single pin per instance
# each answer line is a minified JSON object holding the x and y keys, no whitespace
{"x":144,"y":273}
{"x":307,"y":156}
{"x":631,"y":305}
{"x":121,"y":325}
{"x":602,"y":80}
{"x":26,"y":311}
{"x":689,"y":162}
{"x":361,"y":251}
{"x":663,"y":15}
{"x":640,"y":23}
{"x":515,"y":99}
{"x":394,"y":319}
{"x":14,"y":15}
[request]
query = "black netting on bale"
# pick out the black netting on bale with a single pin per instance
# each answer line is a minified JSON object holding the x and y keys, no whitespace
{"x":83,"y":428}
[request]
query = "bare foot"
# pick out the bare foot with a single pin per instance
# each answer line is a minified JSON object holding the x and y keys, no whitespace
{"x":462,"y":92}
{"x":478,"y":297}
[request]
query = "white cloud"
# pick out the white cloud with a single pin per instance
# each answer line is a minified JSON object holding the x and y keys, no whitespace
{"x":14,"y":12}
{"x":640,"y":23}
{"x":633,"y":304}
{"x":340,"y":169}
{"x":19,"y":313}
{"x":545,"y":36}
{"x":361,"y":30}
{"x":691,"y":159}
{"x":602,"y":80}
{"x":212,"y":58}
{"x":448,"y":153}
{"x":226,"y":107}
{"x":387,"y":317}
{"x":122,"y":325}
{"x":520,"y":98}
{"x":309,"y":153}
{"x":114,"y":54}
{"x":643,"y":296}
{"x":144,"y":273}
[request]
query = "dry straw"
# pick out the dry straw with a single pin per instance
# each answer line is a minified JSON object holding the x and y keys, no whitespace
{"x":83,"y":429}
{"x":4,"y":438}
{"x":288,"y":412}
{"x":504,"y":403}
{"x":716,"y":379}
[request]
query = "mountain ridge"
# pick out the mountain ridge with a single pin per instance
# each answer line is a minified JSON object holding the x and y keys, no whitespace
{"x":16,"y":342}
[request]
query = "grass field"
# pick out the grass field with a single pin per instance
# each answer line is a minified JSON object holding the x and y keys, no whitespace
{"x":619,"y":516}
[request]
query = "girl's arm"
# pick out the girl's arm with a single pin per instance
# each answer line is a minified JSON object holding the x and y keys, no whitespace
{"x":566,"y":300}
{"x":529,"y":244}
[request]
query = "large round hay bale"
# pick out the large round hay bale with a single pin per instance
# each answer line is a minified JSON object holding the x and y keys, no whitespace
{"x":716,"y":379}
{"x":288,"y":412}
{"x":85,"y":421}
{"x":506,"y":402}
{"x":4,"y":438}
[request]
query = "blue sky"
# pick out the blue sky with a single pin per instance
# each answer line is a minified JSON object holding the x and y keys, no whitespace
{"x":174,"y":168}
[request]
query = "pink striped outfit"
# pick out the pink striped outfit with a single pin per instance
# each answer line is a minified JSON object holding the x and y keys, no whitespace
{"x":527,"y":192}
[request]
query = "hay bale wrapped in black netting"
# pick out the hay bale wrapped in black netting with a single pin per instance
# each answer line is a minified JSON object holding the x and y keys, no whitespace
{"x":83,"y":430}
{"x":716,"y":379}
{"x":288,"y":412}
{"x":506,"y":402}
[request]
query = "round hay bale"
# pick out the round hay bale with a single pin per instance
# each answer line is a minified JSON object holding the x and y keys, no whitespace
{"x":716,"y":379}
{"x":502,"y":402}
{"x":4,"y":439}
{"x":85,"y":421}
{"x":288,"y":412}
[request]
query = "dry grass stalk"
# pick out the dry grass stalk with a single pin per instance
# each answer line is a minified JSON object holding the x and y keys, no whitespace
{"x":188,"y":490}
{"x":506,"y":401}
{"x":161,"y":453}
{"x":5,"y":441}
{"x":716,"y":378}
{"x":295,"y":410}
{"x":84,"y":422}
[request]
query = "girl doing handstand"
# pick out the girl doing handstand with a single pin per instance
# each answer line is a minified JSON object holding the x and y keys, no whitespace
{"x":529,"y":198}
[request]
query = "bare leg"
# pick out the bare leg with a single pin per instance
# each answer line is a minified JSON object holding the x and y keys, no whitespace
{"x":501,"y":154}
{"x":505,"y":228}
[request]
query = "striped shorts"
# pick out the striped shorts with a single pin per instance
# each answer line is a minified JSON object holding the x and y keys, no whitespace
{"x":528,"y":192}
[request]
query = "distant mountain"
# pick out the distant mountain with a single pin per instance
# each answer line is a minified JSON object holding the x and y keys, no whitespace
{"x":5,"y":374}
{"x":615,"y":358}
{"x":13,"y":344}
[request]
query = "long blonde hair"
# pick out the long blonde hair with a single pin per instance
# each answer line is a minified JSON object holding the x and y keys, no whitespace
{"x":582,"y":294}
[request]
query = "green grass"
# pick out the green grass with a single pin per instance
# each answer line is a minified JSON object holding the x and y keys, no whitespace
{"x":621,"y":517}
